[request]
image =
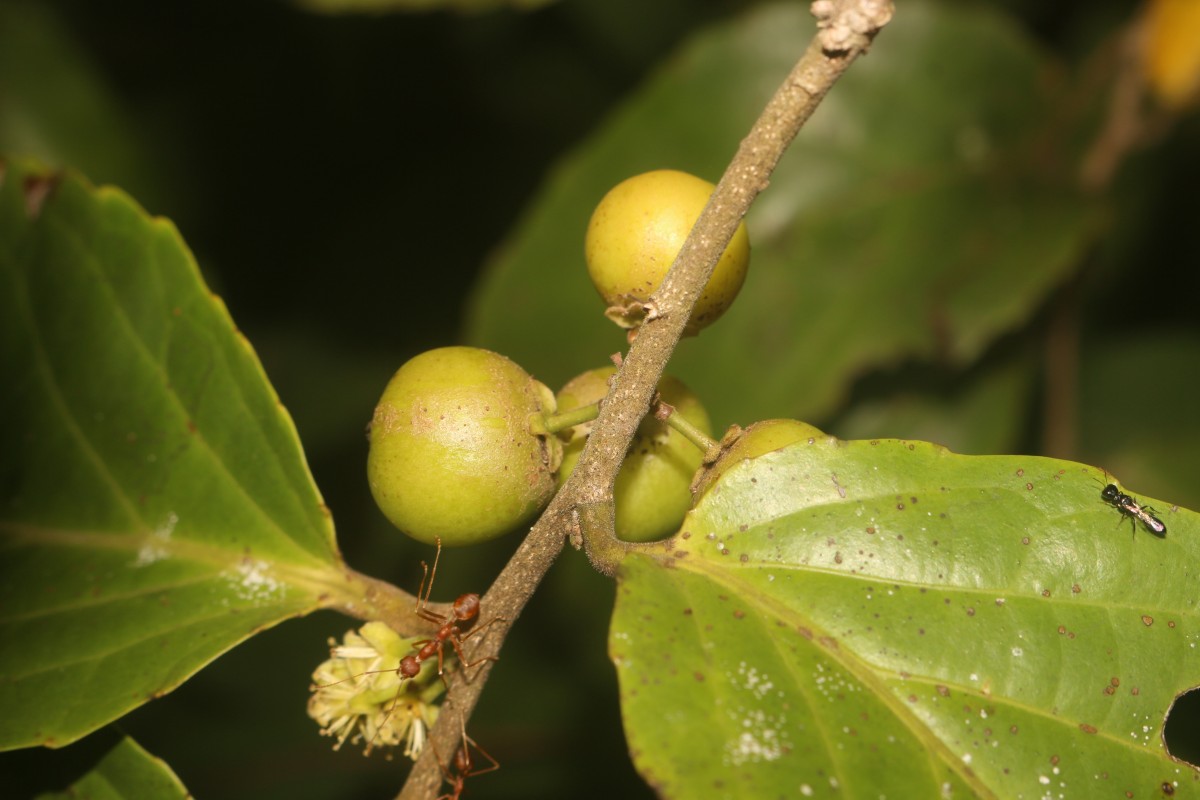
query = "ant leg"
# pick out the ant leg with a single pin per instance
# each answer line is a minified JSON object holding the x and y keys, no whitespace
{"x":423,"y":599}
{"x":429,"y":616}
{"x":482,"y":628}
{"x":433,"y":574}
{"x":456,"y":782}
{"x":441,"y":674}
{"x":472,"y":771}
{"x":464,"y":664}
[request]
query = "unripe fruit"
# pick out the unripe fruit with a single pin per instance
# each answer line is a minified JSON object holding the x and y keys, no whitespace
{"x":740,"y":444}
{"x":651,"y":491}
{"x":634,"y":235}
{"x":454,"y":451}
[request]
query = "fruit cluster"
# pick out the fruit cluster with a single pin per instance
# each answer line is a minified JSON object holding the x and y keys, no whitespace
{"x":465,"y":445}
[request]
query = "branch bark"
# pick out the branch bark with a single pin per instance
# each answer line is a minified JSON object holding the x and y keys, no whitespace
{"x":583,"y":509}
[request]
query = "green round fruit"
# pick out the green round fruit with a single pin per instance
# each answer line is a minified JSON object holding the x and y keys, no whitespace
{"x":651,"y":491}
{"x":740,"y":444}
{"x":634,"y":235}
{"x":453,"y":449}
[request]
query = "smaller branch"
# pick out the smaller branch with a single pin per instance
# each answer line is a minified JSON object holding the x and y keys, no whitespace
{"x":363,"y":597}
{"x":845,"y":29}
{"x":583,"y":508}
{"x":505,"y":600}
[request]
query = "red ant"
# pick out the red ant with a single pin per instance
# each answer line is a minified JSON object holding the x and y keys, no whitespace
{"x":462,"y":764}
{"x":463,"y":610}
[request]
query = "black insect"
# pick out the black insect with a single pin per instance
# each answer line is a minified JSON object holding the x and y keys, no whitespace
{"x":1132,"y":509}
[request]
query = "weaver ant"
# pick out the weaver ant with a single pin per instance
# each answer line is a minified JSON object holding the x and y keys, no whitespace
{"x":463,"y":766}
{"x":464,"y":609}
{"x":450,"y":628}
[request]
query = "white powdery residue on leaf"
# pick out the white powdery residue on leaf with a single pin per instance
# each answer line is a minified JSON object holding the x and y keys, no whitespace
{"x":154,"y":548}
{"x":831,"y":685}
{"x":252,"y":580}
{"x":761,"y":739}
{"x":755,"y":681}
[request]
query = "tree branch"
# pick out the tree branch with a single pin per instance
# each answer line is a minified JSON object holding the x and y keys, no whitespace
{"x":583,"y":509}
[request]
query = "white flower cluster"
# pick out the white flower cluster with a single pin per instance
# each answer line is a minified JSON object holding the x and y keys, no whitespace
{"x":358,"y":693}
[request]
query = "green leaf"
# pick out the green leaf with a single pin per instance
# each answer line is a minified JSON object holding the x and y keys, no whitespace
{"x":885,"y":617}
{"x":983,"y":410}
{"x":926,"y":209}
{"x":155,"y":505}
{"x":127,"y":771}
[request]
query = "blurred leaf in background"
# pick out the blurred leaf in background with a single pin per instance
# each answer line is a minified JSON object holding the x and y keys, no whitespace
{"x":390,"y":6}
{"x":127,"y":771}
{"x":916,"y":217}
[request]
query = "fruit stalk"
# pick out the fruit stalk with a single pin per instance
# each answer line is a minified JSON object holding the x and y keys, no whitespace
{"x":690,"y":432}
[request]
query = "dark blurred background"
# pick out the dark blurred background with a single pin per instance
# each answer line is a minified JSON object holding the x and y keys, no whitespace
{"x":342,"y":180}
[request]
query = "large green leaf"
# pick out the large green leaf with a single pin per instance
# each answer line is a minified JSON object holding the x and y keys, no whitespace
{"x":127,"y":772}
{"x":927,"y":208}
{"x":871,"y":618}
{"x":155,"y":506}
